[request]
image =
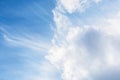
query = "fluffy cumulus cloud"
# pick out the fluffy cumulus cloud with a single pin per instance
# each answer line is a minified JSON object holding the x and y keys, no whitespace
{"x":85,"y":52}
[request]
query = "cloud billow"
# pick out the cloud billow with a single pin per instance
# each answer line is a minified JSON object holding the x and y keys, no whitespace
{"x":85,"y":52}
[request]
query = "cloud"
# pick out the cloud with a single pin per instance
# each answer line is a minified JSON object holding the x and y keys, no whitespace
{"x":114,"y":21}
{"x":72,"y":6}
{"x":82,"y":51}
{"x":29,"y":41}
{"x":28,"y":55}
{"x":23,"y":46}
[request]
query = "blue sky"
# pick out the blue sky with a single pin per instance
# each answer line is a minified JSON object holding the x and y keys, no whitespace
{"x":24,"y":15}
{"x":26,"y":22}
{"x":59,"y":39}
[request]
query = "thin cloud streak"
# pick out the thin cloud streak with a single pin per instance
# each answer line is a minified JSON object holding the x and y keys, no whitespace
{"x":33,"y":64}
{"x":30,"y":41}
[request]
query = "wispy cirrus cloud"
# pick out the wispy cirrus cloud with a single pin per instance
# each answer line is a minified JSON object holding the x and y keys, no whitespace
{"x":26,"y":40}
{"x":30,"y":56}
{"x":87,"y":51}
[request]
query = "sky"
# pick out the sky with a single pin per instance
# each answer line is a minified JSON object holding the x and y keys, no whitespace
{"x":59,"y":40}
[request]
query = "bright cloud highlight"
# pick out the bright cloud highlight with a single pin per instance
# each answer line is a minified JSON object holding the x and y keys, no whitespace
{"x":84,"y":52}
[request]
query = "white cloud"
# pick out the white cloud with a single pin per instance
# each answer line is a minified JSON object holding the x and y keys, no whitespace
{"x":76,"y":5}
{"x":113,"y":26}
{"x":32,"y":65}
{"x":81,"y":52}
{"x":97,"y":1}
{"x":28,"y":41}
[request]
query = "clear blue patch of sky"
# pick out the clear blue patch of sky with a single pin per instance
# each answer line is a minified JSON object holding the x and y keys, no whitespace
{"x":34,"y":16}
